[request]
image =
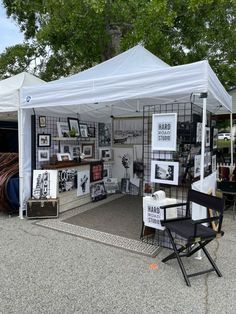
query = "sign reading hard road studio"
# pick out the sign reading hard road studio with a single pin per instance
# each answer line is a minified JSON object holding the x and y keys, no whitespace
{"x":164,"y":126}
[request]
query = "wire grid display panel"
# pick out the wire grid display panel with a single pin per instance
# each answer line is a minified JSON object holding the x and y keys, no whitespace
{"x":188,"y":115}
{"x":55,"y":147}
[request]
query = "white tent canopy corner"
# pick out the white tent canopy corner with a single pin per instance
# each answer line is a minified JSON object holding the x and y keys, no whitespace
{"x":122,"y":85}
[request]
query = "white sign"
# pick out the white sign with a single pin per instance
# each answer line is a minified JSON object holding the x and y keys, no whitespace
{"x":44,"y":184}
{"x":164,"y":127}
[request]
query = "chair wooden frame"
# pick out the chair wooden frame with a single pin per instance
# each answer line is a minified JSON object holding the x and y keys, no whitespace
{"x":197,"y":235}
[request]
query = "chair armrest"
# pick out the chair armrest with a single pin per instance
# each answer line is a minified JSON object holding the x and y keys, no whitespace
{"x":174,"y":219}
{"x":200,"y":221}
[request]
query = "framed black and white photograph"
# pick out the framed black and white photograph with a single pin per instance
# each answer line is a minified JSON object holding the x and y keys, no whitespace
{"x":166,"y":172}
{"x":91,"y":131}
{"x":213,"y":163}
{"x":208,"y":136}
{"x":98,"y":191}
{"x":75,"y":151}
{"x":83,"y":130}
{"x":44,"y":184}
{"x":88,"y":150}
{"x":105,"y":154}
{"x":65,"y":148}
{"x":63,"y":156}
{"x":197,"y":165}
{"x":74,"y":125}
{"x":215,"y":138}
{"x":106,"y":171}
{"x":127,"y":131}
{"x":67,"y":180}
{"x":44,"y":140}
{"x":164,"y":131}
{"x":43,"y":155}
{"x":104,"y":134}
{"x":63,"y":129}
{"x":42,"y":121}
{"x":111,"y":185}
{"x":83,"y":186}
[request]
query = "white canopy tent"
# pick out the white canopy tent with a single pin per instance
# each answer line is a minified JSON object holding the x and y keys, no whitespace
{"x":122,"y":86}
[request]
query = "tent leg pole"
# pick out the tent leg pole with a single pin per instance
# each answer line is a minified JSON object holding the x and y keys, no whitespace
{"x":20,"y":145}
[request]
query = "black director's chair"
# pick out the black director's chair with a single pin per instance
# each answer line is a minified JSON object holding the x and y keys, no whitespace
{"x":197,"y":236}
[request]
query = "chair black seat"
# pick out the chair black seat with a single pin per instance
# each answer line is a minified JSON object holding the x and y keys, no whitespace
{"x":185,"y":228}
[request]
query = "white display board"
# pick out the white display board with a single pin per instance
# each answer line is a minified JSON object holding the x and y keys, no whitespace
{"x":45,"y":183}
{"x":153,"y":214}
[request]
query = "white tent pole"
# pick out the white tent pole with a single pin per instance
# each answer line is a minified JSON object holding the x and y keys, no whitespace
{"x":231,"y":141}
{"x":20,"y":145}
{"x":203,"y":143}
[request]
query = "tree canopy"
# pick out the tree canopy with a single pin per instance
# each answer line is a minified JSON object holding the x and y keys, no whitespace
{"x":67,"y":36}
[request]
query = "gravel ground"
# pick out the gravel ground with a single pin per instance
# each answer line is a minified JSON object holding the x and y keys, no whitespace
{"x":46,"y":271}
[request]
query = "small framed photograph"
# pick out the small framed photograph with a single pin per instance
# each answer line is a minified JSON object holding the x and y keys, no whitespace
{"x":91,"y":131}
{"x":63,"y":156}
{"x":83,"y":130}
{"x":43,"y":155}
{"x":88,"y":150}
{"x":42,"y":122}
{"x":74,"y":125}
{"x":63,"y":129}
{"x":44,"y":140}
{"x":105,"y":154}
{"x":208,"y":136}
{"x":75,"y":151}
{"x":65,"y":148}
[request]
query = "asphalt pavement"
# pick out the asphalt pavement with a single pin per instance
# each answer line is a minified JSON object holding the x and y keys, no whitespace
{"x":46,"y":271}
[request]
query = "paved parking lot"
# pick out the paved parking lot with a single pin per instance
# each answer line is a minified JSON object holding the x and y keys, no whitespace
{"x":46,"y":271}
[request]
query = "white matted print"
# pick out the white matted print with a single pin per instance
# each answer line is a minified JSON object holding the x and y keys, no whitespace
{"x":197,"y":165}
{"x":63,"y":129}
{"x":213,"y":163}
{"x":123,"y":163}
{"x":43,"y":155}
{"x":44,"y":184}
{"x":166,"y":172}
{"x":164,"y":128}
{"x":83,"y":182}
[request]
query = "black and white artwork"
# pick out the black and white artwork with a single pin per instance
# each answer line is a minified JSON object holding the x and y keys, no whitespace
{"x":164,"y":130}
{"x":215,"y":138}
{"x":98,"y":191}
{"x":65,"y":148}
{"x":127,"y":130}
{"x":44,"y":184}
{"x":208,"y":136}
{"x":75,"y":151}
{"x":83,"y":182}
{"x":166,"y":172}
{"x":123,"y":163}
{"x":199,"y":132}
{"x":105,"y":153}
{"x":44,"y":140}
{"x":67,"y":180}
{"x":63,"y":129}
{"x":104,"y":134}
{"x":74,"y":126}
{"x":42,"y":122}
{"x":43,"y":155}
{"x":197,"y":165}
{"x":213,"y":163}
{"x":83,"y":130}
{"x":111,"y":185}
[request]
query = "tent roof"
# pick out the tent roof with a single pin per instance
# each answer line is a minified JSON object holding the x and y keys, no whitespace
{"x":98,"y":93}
{"x":135,"y":60}
{"x":9,"y":90}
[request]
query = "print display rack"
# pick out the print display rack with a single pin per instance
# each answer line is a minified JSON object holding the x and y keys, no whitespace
{"x":188,"y":116}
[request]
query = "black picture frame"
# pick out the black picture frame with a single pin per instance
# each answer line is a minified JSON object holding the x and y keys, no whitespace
{"x":44,"y":140}
{"x":42,"y":121}
{"x":91,"y":131}
{"x":74,"y":124}
{"x":83,"y":130}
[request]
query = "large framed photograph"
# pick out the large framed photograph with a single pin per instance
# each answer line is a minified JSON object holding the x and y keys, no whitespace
{"x":44,"y":140}
{"x":88,"y":150}
{"x":43,"y":155}
{"x":104,"y":134}
{"x":74,"y":125}
{"x":164,"y":131}
{"x":44,"y":184}
{"x":63,"y":129}
{"x":83,"y":130}
{"x":127,"y":131}
{"x":166,"y":172}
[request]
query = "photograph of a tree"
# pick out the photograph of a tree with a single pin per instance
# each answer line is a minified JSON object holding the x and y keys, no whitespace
{"x":65,"y":37}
